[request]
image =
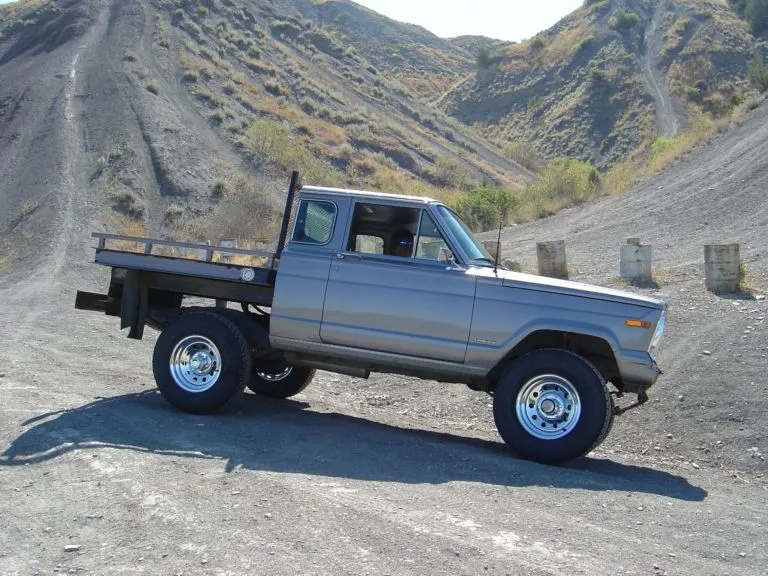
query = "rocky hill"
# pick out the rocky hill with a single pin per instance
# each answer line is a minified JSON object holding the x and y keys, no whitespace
{"x":607,"y":79}
{"x":184,"y":118}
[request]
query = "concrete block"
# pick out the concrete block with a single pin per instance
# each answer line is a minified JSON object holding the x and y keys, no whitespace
{"x":552,"y":259}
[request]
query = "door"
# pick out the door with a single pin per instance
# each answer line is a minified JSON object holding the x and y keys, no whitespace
{"x":405,"y":301}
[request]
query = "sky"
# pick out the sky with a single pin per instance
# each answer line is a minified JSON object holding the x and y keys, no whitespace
{"x":502,"y":19}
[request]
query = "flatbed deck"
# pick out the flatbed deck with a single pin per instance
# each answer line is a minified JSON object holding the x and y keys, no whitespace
{"x":145,"y":286}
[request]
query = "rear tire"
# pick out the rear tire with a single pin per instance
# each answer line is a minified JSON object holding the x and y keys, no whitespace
{"x":278,"y":380}
{"x":552,"y":406}
{"x":201,"y":362}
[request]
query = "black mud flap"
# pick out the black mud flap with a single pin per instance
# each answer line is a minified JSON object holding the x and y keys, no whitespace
{"x":133,"y":304}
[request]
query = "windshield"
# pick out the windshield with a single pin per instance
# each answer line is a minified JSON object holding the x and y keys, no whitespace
{"x":474,"y":250}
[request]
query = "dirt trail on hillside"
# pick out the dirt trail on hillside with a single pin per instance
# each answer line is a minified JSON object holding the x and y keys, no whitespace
{"x":667,"y":122}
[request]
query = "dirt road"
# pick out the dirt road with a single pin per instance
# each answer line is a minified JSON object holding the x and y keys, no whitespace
{"x":667,"y":123}
{"x":382,"y":477}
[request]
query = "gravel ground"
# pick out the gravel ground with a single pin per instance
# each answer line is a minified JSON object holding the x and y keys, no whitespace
{"x":390,"y":475}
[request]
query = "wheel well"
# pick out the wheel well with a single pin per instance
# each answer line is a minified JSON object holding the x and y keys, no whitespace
{"x":592,"y":348}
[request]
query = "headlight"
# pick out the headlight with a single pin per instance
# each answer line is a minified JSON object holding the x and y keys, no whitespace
{"x":658,"y":334}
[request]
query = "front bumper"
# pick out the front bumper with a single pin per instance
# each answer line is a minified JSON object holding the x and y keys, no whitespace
{"x":639,"y":370}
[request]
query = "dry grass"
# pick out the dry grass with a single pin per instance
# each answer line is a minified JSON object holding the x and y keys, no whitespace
{"x":747,"y":282}
{"x":25,"y":209}
{"x":9,"y":257}
{"x":129,"y":227}
{"x":664,"y":151}
{"x":564,"y":45}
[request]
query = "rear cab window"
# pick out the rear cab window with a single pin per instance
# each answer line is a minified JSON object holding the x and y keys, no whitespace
{"x":315,"y":220}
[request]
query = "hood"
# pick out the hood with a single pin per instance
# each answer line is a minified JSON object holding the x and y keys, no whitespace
{"x":557,"y":286}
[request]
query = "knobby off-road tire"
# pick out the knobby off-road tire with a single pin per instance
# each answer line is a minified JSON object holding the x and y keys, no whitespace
{"x":201,"y":362}
{"x":278,"y":380}
{"x":552,"y":406}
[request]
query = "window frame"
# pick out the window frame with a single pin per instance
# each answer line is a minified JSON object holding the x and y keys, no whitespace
{"x":333,"y":225}
{"x":413,"y":259}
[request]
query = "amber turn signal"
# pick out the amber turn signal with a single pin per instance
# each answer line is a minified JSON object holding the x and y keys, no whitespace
{"x":637,"y":324}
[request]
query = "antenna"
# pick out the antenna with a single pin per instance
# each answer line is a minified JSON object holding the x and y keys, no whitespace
{"x":502,"y":214}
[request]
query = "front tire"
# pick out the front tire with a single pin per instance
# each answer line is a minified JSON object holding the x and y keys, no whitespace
{"x":552,"y":406}
{"x":278,"y":380}
{"x":201,"y":362}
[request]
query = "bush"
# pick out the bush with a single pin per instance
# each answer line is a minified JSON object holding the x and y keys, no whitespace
{"x":694,"y":94}
{"x":284,"y":28}
{"x":756,"y":13}
{"x":758,"y":72}
{"x":153,"y":88}
{"x":584,"y":45}
{"x":451,"y":174}
{"x":524,"y":154}
{"x":563,"y":182}
{"x":272,"y":142}
{"x":482,"y":208}
{"x":622,"y":20}
{"x":537,"y":44}
{"x":485,"y":59}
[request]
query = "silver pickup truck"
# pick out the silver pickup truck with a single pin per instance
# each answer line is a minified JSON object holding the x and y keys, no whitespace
{"x":364,"y":282}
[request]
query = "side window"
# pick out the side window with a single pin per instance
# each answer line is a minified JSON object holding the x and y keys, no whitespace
{"x":431,"y":245}
{"x":383,"y":229}
{"x":314,"y":222}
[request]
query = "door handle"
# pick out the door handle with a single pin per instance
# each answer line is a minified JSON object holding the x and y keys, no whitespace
{"x":340,"y":256}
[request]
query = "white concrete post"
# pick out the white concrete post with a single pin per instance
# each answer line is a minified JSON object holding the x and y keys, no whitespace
{"x":635,"y":262}
{"x":552,"y":260}
{"x":722,"y":263}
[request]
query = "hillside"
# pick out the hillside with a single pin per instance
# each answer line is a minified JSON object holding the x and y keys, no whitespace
{"x":603,"y":82}
{"x":184,"y":119}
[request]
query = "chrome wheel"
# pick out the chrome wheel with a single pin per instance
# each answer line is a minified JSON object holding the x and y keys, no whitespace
{"x":195,"y":364}
{"x":275,"y":376}
{"x":548,"y":407}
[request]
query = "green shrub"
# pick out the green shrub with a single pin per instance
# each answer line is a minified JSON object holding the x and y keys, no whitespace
{"x":451,"y":174}
{"x":485,"y":59}
{"x":272,"y":142}
{"x":598,"y":5}
{"x":623,"y":20}
{"x":694,"y":94}
{"x":758,"y":72}
{"x":756,"y":13}
{"x":130,"y":56}
{"x":537,"y":44}
{"x":153,"y":88}
{"x":563,"y":182}
{"x":584,"y":45}
{"x":284,"y":28}
{"x":524,"y":154}
{"x":483,"y":207}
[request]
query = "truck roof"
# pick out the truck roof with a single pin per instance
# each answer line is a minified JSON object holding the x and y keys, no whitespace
{"x":367,"y":194}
